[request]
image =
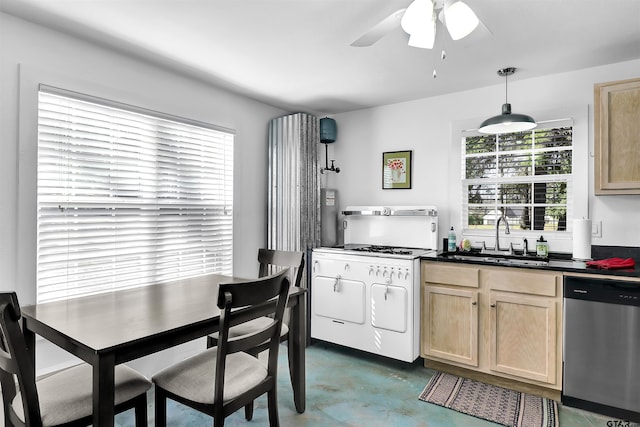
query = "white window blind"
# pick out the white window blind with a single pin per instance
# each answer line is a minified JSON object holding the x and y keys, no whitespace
{"x":525,"y":175}
{"x":127,"y":197}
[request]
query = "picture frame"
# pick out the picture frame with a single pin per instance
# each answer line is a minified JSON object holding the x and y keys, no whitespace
{"x":396,"y":169}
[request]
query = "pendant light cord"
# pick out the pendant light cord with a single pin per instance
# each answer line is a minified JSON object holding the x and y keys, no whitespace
{"x":506,"y":99}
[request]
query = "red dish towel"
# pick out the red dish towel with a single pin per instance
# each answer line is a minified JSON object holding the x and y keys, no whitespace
{"x":612,"y":263}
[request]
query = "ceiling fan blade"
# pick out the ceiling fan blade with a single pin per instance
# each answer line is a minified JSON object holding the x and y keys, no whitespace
{"x":380,"y":30}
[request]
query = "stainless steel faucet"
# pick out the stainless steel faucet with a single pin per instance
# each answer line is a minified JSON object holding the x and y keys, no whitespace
{"x":506,"y":229}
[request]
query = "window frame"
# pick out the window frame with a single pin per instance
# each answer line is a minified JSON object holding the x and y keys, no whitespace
{"x":529,"y":179}
{"x":582,"y":173}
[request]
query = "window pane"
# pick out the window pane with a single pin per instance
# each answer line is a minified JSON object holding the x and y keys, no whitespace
{"x":550,"y":192}
{"x":481,"y":144}
{"x":484,"y":193}
{"x":550,"y":218}
{"x":481,"y":217}
{"x":515,"y":141}
{"x":553,"y":138}
{"x":515,"y":193}
{"x":553,"y":162}
{"x":481,"y":167}
{"x":511,"y":165}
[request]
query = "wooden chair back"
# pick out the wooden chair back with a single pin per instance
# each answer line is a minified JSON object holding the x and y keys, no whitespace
{"x":244,"y":301}
{"x":272,"y":261}
{"x":15,"y":364}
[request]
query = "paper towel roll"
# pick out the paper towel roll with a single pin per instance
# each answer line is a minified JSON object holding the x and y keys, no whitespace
{"x":582,"y":239}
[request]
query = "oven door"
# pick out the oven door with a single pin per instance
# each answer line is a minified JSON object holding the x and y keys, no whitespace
{"x":389,"y":307}
{"x":339,"y":299}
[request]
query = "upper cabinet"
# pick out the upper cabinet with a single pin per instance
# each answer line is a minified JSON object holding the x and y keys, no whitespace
{"x":617,"y":137}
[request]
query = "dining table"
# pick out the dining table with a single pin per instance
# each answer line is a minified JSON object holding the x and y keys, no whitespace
{"x":116,"y":327}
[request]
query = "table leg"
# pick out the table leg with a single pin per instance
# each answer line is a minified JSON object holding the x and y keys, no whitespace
{"x":103,"y":390}
{"x":297,"y":344}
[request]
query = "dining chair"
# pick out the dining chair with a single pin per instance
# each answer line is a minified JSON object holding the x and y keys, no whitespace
{"x":63,"y":398}
{"x":270,"y":261}
{"x":225,"y":378}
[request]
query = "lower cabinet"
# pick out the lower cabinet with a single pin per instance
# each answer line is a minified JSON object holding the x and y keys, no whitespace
{"x":501,"y":321}
{"x":451,"y":324}
{"x":523,"y":336}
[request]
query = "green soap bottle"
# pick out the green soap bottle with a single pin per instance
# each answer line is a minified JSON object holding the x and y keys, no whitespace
{"x":542,"y":248}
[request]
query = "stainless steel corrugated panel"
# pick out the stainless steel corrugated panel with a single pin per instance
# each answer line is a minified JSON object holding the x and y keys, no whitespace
{"x":294,"y":187}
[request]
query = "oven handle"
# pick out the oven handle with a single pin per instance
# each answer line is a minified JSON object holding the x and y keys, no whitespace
{"x":393,"y":212}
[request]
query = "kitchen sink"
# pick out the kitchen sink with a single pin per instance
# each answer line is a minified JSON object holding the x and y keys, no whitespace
{"x":522,"y":260}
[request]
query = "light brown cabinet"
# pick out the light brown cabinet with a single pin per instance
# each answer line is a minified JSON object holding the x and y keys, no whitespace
{"x":451,"y":324}
{"x":617,"y":137}
{"x":506,"y":322}
{"x":523,"y":336}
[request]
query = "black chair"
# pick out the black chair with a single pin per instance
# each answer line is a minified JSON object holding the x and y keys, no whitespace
{"x":270,"y":261}
{"x":223,"y":379}
{"x":63,"y":398}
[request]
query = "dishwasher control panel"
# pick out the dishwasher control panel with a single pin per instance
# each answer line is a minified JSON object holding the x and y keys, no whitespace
{"x":602,"y":290}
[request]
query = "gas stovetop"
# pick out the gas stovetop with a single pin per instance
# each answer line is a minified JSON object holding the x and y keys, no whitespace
{"x":377,"y":250}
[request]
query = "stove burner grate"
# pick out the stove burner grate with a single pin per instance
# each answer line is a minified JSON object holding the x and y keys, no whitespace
{"x":384,"y":250}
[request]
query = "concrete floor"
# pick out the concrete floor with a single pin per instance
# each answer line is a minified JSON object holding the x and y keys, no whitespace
{"x":350,"y":388}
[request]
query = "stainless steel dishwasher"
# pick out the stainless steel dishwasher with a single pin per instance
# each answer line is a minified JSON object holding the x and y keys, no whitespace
{"x":602,"y":346}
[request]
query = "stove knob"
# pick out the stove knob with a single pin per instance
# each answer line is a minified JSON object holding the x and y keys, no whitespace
{"x":406,"y":275}
{"x":346,"y":267}
{"x":378,"y":271}
{"x":370,"y":270}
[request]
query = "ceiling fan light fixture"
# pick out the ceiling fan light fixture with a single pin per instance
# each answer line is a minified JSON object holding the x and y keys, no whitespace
{"x":459,"y":19}
{"x":414,"y":18}
{"x":425,"y":38}
{"x":507,"y":122}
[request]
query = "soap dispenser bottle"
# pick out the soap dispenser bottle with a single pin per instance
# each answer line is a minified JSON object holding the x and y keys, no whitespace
{"x":451,"y":241}
{"x":542,"y":248}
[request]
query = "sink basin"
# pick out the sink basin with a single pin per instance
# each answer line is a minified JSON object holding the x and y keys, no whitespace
{"x":498,"y":259}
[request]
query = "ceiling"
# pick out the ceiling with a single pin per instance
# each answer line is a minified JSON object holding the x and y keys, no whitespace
{"x":296,"y":54}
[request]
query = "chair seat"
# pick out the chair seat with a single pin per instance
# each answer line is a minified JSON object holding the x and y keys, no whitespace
{"x":193,"y":378}
{"x":251,"y":327}
{"x":67,"y":395}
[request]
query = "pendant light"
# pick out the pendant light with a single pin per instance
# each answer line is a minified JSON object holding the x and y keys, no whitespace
{"x":507,"y":122}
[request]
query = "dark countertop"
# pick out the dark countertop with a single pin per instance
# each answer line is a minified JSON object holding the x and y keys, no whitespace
{"x":563,"y":262}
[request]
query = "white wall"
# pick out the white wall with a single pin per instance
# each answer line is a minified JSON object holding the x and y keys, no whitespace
{"x":427,"y":125}
{"x":31,"y":54}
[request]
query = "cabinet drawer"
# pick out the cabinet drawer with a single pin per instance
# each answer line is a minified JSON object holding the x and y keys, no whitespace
{"x":449,"y":274}
{"x":521,"y":281}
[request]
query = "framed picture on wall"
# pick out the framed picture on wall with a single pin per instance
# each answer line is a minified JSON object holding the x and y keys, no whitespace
{"x":396,"y":170}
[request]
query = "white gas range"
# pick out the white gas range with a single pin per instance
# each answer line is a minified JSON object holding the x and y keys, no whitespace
{"x":366,"y":294}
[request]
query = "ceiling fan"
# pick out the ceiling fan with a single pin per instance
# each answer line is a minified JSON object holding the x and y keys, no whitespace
{"x":419,"y":21}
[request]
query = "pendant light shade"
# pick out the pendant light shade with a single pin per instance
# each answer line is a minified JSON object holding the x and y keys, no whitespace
{"x":507,"y":121}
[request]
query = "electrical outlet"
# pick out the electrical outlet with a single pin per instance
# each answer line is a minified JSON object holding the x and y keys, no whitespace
{"x":596,"y":229}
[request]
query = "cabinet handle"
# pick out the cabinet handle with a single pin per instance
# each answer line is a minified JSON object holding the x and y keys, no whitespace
{"x":474,"y":303}
{"x":493,"y":306}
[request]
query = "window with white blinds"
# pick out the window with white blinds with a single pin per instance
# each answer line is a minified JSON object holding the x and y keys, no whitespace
{"x":128,"y":197}
{"x":525,"y":175}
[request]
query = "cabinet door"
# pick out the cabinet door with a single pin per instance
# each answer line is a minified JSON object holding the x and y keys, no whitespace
{"x":450,"y":324}
{"x":616,"y":137}
{"x":523,"y":336}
